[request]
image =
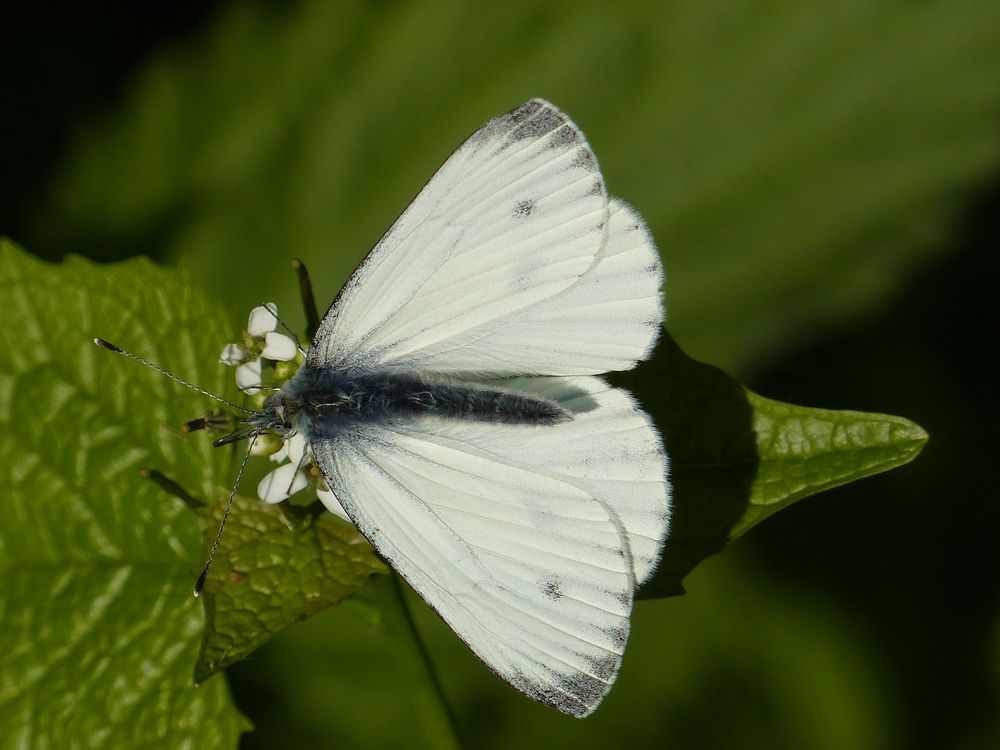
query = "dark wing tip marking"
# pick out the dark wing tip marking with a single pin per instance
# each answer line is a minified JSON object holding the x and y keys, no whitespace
{"x":538,"y":119}
{"x":587,"y":689}
{"x":526,"y":110}
{"x":564,"y":135}
{"x":584,"y":159}
{"x":618,"y":636}
{"x":576,"y":694}
{"x":605,"y":667}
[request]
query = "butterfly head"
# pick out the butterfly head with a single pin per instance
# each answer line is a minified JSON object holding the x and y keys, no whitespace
{"x":276,"y":417}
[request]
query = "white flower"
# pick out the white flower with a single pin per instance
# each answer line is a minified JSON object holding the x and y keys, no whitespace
{"x":263,"y":340}
{"x":233,"y":355}
{"x":279,"y":347}
{"x":329,"y":500}
{"x":293,"y":476}
{"x":282,"y":483}
{"x":292,"y":448}
{"x":280,"y":455}
{"x":261,"y":325}
{"x":295,"y":461}
{"x":263,"y":320}
{"x":267,"y":445}
{"x":297,"y":447}
{"x":248,"y":377}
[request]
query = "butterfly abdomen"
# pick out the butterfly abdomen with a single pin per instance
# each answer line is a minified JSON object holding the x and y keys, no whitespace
{"x":482,"y":403}
{"x":326,"y":401}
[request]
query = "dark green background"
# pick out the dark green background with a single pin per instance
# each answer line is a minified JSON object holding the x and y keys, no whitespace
{"x":861,"y":277}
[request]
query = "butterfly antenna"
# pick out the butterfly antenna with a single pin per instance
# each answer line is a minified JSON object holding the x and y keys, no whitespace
{"x":225,"y":516}
{"x":112,"y":348}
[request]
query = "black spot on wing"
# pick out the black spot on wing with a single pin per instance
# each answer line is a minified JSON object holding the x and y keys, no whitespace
{"x":552,"y":590}
{"x":524,"y":208}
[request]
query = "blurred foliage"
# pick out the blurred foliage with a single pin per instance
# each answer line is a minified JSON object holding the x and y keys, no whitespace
{"x":798,"y":163}
{"x":793,"y":159}
{"x":911,"y":555}
{"x":99,"y":629}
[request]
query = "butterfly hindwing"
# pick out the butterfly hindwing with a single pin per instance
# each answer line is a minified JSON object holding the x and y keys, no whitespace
{"x":609,"y":448}
{"x":529,"y":561}
{"x":606,"y":320}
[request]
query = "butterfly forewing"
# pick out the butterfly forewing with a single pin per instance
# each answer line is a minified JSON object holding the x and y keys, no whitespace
{"x":514,"y":217}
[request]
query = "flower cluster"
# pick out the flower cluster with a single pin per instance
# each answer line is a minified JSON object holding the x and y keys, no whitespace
{"x":261,"y":342}
{"x":262,"y":345}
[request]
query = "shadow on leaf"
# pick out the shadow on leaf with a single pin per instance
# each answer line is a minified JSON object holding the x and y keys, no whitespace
{"x":707,"y":425}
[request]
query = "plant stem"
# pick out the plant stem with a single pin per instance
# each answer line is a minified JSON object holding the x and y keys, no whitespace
{"x":432,"y":705}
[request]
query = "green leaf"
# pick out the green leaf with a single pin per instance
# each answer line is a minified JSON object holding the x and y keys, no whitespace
{"x":277,"y":566}
{"x":794,"y":160}
{"x":98,"y":631}
{"x":415,"y":665}
{"x":803,"y":451}
{"x":737,"y":457}
{"x":100,"y":653}
{"x":81,"y":426}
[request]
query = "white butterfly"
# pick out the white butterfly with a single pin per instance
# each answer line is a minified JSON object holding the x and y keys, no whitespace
{"x":529,"y":540}
{"x":449,"y":399}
